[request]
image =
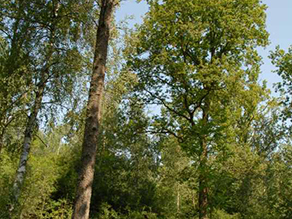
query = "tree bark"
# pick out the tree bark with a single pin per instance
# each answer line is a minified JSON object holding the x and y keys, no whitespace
{"x":178,"y":202}
{"x":1,"y":140}
{"x":203,"y":192}
{"x":203,"y":188}
{"x":28,"y":134}
{"x":93,"y":117}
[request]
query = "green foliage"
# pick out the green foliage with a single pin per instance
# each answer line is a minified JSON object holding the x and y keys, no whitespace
{"x":283,"y":62}
{"x":220,"y":214}
{"x":126,"y":168}
{"x":191,"y":58}
{"x":189,"y":61}
{"x":279,"y":183}
{"x":7,"y":171}
{"x":107,"y":212}
{"x":175,"y":194}
{"x":49,"y":188}
{"x":40,"y":184}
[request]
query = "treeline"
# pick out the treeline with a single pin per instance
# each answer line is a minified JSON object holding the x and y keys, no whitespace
{"x":167,"y":120}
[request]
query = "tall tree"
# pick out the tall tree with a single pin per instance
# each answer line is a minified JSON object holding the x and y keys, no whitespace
{"x":36,"y":105}
{"x":94,"y":107}
{"x":197,"y":60}
{"x":45,"y":34}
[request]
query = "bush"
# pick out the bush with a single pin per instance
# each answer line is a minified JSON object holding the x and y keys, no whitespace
{"x":107,"y":212}
{"x":221,"y":214}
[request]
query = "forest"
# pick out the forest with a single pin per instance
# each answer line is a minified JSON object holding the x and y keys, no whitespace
{"x":167,"y":119}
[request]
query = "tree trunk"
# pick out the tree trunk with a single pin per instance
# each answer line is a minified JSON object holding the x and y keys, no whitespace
{"x":31,"y":123}
{"x":28,"y":136}
{"x":32,"y":120}
{"x":93,"y":117}
{"x":203,"y":194}
{"x":178,"y":202}
{"x":203,"y":188}
{"x":3,"y":129}
{"x":1,"y":141}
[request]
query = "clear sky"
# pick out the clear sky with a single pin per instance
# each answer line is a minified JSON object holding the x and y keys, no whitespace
{"x":279,"y":25}
{"x":279,"y":20}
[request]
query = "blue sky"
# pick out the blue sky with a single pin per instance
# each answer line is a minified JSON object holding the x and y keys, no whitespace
{"x":279,"y":20}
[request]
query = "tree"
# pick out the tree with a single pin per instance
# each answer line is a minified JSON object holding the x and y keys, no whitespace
{"x":44,"y":52}
{"x":197,"y":60}
{"x":93,"y":117}
{"x":15,"y":40}
{"x":41,"y":78}
{"x":283,"y":62}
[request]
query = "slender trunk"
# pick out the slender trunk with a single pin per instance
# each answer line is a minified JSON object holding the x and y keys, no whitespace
{"x":31,"y":123}
{"x":28,"y":135}
{"x":2,"y":137}
{"x":32,"y":119}
{"x":93,"y":117}
{"x":1,"y":140}
{"x":203,"y":188}
{"x":178,"y":202}
{"x":193,"y":200}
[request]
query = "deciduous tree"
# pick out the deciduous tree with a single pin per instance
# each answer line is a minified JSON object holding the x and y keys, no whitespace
{"x":197,"y":60}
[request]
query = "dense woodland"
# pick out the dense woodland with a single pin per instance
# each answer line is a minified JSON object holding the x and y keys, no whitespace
{"x":166,"y":120}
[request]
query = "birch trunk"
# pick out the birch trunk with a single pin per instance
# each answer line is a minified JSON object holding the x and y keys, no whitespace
{"x":32,"y":119}
{"x":93,"y":117}
{"x":31,"y":123}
